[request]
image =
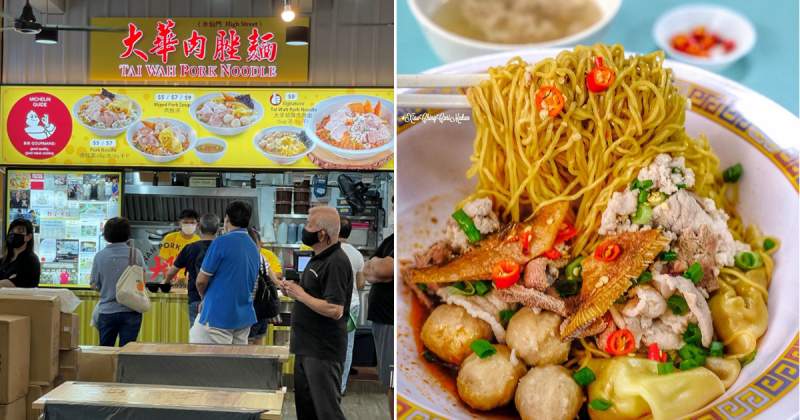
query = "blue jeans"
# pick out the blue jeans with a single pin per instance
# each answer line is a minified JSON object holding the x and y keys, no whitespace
{"x":351,"y":336}
{"x":193,"y":312}
{"x":126,"y":325}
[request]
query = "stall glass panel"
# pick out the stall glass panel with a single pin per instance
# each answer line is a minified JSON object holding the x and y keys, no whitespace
{"x":68,"y":210}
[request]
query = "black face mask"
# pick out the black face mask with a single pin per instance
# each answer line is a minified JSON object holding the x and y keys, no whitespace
{"x":311,"y":238}
{"x":15,"y":240}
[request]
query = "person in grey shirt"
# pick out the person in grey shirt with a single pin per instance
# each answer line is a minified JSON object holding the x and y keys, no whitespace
{"x":115,"y":319}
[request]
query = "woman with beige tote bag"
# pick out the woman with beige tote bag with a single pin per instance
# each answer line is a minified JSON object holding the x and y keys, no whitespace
{"x":118,"y":273}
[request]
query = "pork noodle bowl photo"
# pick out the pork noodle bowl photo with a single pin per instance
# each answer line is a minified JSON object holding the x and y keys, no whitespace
{"x":227,"y":111}
{"x":355,"y":126}
{"x":600,"y":269}
{"x":107,"y":110}
{"x":161,"y":138}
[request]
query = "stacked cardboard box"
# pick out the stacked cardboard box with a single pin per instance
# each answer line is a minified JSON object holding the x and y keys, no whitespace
{"x":97,"y":364}
{"x":69,"y":337}
{"x":34,"y":393}
{"x":45,"y":321}
{"x":15,"y":354}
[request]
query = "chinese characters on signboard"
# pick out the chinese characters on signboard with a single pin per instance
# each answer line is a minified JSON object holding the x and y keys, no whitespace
{"x":195,"y":48}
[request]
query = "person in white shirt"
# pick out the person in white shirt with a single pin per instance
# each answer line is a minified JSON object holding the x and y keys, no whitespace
{"x":359,"y":282}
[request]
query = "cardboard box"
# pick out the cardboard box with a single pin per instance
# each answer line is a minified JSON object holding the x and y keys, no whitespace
{"x":15,"y":353}
{"x":34,"y":393}
{"x":70,"y":335}
{"x":13,"y":411}
{"x":69,"y":365}
{"x":45,"y":315}
{"x":98,"y":364}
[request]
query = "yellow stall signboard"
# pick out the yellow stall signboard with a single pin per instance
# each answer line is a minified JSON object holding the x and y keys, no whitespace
{"x":197,"y":49}
{"x":198,"y":127}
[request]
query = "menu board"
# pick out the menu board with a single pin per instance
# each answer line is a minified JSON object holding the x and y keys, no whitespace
{"x":182,"y":127}
{"x":68,"y":211}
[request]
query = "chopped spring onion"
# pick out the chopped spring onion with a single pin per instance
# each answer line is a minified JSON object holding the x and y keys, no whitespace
{"x":584,"y":376}
{"x":483,"y":287}
{"x":574,"y":269}
{"x":655,"y":198}
{"x":692,"y":334}
{"x":669,"y":256}
{"x":422,"y":286}
{"x":700,"y":359}
{"x":677,"y":304}
{"x":690,"y":351}
{"x":506,"y":315}
{"x":694,"y":273}
{"x":642,"y":185}
{"x":567,"y":288}
{"x":748,"y":261}
{"x":600,"y":404}
{"x":665,"y":368}
{"x":676,"y":170}
{"x":643,"y":215}
{"x":681,"y":186}
{"x":689,"y":364}
{"x":429,"y":357}
{"x":733,"y":173}
{"x":716,"y":349}
{"x":747,"y":359}
{"x":482,"y":348}
{"x":768,"y":244}
{"x":621,"y":300}
{"x":467,"y":225}
{"x":643,"y":196}
{"x":643,"y":278}
{"x":463,"y":288}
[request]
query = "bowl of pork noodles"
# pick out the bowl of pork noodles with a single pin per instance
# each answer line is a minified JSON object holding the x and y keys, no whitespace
{"x":612,"y":237}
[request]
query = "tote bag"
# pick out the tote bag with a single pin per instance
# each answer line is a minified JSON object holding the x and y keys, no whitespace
{"x":130,"y":287}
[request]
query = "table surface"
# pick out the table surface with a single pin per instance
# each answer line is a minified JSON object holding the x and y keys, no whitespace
{"x":771,"y":68}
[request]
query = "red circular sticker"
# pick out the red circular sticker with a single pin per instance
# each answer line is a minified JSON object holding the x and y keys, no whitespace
{"x":39,"y":126}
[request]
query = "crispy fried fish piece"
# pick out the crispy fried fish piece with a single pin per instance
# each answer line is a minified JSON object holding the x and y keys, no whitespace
{"x":477,"y":264}
{"x":605,"y":282}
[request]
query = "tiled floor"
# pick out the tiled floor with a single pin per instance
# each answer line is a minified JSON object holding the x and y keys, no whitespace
{"x":356,"y":406}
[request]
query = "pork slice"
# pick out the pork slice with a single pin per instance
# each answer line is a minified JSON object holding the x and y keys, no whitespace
{"x":646,"y":302}
{"x":216,"y":121}
{"x":535,"y":277}
{"x":694,"y":299}
{"x":697,"y":248}
{"x":438,"y":253}
{"x":534,"y":298}
{"x":602,"y":339}
{"x":338,"y":130}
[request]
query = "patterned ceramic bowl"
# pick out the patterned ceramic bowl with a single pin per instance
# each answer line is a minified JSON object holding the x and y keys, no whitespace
{"x":742,"y":126}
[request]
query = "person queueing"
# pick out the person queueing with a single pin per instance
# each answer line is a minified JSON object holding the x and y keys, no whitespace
{"x":20,"y":265}
{"x":227,"y":279}
{"x":173,"y":243}
{"x":265,"y":298}
{"x":359,"y":282}
{"x":379,"y":272}
{"x":188,"y":259}
{"x":319,"y":319}
{"x":115,"y":320}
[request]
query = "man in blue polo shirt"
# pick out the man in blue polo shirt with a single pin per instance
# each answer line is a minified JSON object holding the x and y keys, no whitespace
{"x":227,"y":279}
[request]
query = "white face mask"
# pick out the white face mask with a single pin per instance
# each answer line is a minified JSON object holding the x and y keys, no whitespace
{"x":188,"y":228}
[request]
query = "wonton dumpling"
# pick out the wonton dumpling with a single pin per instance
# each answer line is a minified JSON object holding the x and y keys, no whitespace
{"x":727,"y":370}
{"x":740,"y":307}
{"x":635,"y":389}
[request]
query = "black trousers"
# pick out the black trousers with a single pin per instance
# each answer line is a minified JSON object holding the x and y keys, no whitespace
{"x":318,"y":388}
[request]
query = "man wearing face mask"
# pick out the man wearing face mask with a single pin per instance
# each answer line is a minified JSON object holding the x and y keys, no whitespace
{"x":20,"y":265}
{"x":319,"y":319}
{"x":173,"y":243}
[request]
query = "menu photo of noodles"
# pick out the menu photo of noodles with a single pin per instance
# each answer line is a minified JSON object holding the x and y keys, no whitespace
{"x":596,"y":262}
{"x":351,"y":128}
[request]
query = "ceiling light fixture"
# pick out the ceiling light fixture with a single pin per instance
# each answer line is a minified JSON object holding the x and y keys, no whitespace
{"x":47,"y":36}
{"x":288,"y":13}
{"x":297,"y":35}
